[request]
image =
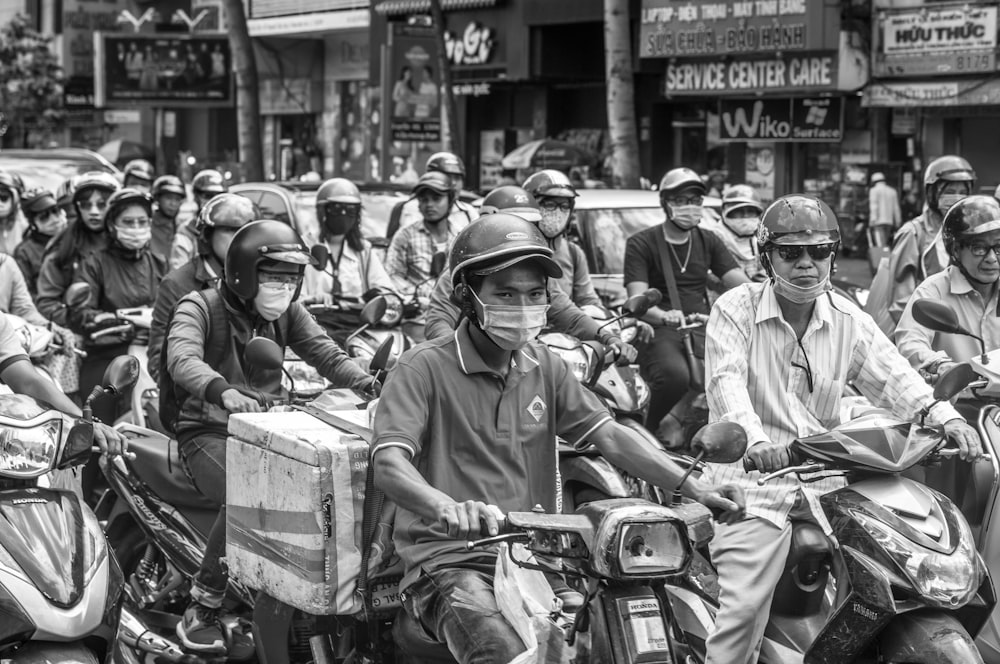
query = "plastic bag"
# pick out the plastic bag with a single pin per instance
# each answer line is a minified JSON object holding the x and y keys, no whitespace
{"x":526,"y":600}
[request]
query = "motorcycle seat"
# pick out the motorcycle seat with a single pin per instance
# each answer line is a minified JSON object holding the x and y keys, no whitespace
{"x":411,"y":638}
{"x":809,"y":542}
{"x":158,"y":463}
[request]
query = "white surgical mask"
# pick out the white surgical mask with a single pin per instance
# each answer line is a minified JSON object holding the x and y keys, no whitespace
{"x":134,"y":238}
{"x":553,"y":222}
{"x":801,"y":294}
{"x":52,"y":225}
{"x":685,"y":216}
{"x":270,"y":303}
{"x":742,"y":226}
{"x":945,"y":201}
{"x":511,"y":327}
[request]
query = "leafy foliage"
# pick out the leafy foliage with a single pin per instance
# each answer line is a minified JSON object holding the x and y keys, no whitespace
{"x":31,"y":82}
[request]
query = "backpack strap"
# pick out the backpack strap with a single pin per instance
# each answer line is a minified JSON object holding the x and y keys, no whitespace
{"x":217,"y":339}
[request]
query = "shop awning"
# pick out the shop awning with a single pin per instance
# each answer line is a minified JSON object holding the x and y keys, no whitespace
{"x":399,"y":7}
{"x":928,"y":92}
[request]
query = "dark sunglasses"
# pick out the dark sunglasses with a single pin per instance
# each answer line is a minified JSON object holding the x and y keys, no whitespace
{"x":818,"y":252}
{"x":5,"y":195}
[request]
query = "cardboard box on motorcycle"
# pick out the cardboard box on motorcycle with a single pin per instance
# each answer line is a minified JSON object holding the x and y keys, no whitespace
{"x":295,"y":493}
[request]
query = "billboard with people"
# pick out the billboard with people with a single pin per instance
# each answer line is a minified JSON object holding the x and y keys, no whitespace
{"x":162,"y":68}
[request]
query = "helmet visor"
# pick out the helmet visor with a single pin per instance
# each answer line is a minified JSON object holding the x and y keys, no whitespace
{"x":287,"y":253}
{"x":527,"y":213}
{"x":807,"y":238}
{"x":550,"y":267}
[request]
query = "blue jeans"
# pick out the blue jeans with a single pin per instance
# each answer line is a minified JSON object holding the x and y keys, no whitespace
{"x":204,"y":457}
{"x":458,"y":608}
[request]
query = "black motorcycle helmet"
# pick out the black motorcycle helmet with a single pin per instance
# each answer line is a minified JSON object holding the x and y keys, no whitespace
{"x":968,"y":218}
{"x":796,"y":219}
{"x":512,"y":200}
{"x":261,"y":243}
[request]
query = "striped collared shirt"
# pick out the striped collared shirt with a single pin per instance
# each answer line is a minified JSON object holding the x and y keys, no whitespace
{"x":411,"y":252}
{"x":780,"y":388}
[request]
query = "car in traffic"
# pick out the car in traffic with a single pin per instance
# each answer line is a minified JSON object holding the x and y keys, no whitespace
{"x":49,"y":168}
{"x":295,"y":203}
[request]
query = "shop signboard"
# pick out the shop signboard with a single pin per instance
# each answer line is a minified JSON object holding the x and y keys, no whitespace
{"x":802,"y":120}
{"x":699,"y":28}
{"x":162,"y":70}
{"x":759,"y":171}
{"x":934,"y":40}
{"x":413,"y":88}
{"x":957,"y":92}
{"x":788,"y":73}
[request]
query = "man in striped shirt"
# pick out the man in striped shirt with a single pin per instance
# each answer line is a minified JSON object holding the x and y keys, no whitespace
{"x":778,"y":356}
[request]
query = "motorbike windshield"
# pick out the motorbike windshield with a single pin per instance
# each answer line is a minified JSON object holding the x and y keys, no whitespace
{"x":875,"y":443}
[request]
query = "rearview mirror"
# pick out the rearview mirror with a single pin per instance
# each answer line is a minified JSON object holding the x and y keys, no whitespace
{"x":720,"y":442}
{"x":937,"y":316}
{"x":373,"y":310}
{"x":380,"y":361}
{"x":954,"y":381}
{"x":77,"y":294}
{"x":638,"y":305}
{"x":262,"y":353}
{"x":121,"y":374}
{"x":79,"y":444}
{"x":438,"y":262}
{"x":320,"y":255}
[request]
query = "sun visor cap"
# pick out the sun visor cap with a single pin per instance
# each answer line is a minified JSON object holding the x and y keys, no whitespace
{"x":38,"y":203}
{"x":549,"y":266}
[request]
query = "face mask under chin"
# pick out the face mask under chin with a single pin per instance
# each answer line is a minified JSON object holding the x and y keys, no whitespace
{"x":801,"y":294}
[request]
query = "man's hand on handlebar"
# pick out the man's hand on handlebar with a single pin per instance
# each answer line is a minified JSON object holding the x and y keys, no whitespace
{"x":643,"y":332}
{"x":969,"y":446}
{"x":769,"y":457}
{"x":624,"y":353}
{"x":672,"y":318}
{"x":469,"y":519}
{"x":324,"y":299}
{"x":236,"y":402}
{"x":727,"y":502}
{"x":110,"y":440}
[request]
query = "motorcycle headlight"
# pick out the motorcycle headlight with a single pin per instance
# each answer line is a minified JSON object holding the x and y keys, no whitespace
{"x":651,"y":548}
{"x":947,"y":581}
{"x":31,"y":450}
{"x":393,"y":310}
{"x":578,"y":360}
{"x":641,"y":392}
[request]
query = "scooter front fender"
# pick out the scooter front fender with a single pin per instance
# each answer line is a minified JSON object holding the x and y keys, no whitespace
{"x":928,"y":637}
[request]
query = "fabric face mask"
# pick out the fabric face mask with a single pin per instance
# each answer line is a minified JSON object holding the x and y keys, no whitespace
{"x":270,"y":303}
{"x":52,"y":224}
{"x":742,"y":226}
{"x":945,"y":201}
{"x":801,"y":294}
{"x":134,"y":238}
{"x":340,"y":221}
{"x":685,"y":216}
{"x":553,"y":223}
{"x":511,"y":327}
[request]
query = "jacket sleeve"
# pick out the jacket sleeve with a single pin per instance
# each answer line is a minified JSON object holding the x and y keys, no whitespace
{"x":186,"y":353}
{"x":903,"y":263}
{"x":182,"y":249}
{"x":311,"y":343}
{"x":21,"y":303}
{"x":51,"y":286}
{"x":27,"y":270}
{"x":442,"y":314}
{"x":166,"y":297}
{"x":914,"y":341}
{"x":583,"y":289}
{"x":89,"y":272}
{"x":566,"y":317}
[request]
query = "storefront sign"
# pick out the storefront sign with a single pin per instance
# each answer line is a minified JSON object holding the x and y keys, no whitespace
{"x":788,"y":73}
{"x":471,"y":89}
{"x":815,"y":120}
{"x":668,"y":28}
{"x":347,"y":56}
{"x":413,"y":97}
{"x":945,"y":39}
{"x":964,"y":92}
{"x":308,"y":23}
{"x":80,"y":20}
{"x":473,"y":46}
{"x":760,"y":170}
{"x":122,"y":117}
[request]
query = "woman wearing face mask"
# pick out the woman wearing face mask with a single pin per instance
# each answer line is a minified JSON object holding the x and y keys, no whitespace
{"x":77,"y":241}
{"x":969,"y":285}
{"x":918,"y":249}
{"x":556,"y":197}
{"x":12,"y":223}
{"x":353,"y":269}
{"x":45,"y":221}
{"x":122,"y":275}
{"x":741,"y":210}
{"x":691,"y":252}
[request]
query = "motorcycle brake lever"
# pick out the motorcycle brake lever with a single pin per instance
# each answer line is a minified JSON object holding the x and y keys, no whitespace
{"x":953,"y":451}
{"x":509,"y":537}
{"x":788,"y":470}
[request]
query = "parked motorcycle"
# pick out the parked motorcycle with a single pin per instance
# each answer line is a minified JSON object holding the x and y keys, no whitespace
{"x":903,"y":583}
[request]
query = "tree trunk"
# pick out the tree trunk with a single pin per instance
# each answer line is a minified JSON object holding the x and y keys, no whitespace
{"x":452,"y":140}
{"x":621,"y":95}
{"x":247,"y":92}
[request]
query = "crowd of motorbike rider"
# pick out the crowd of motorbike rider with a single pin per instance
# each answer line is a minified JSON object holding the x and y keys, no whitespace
{"x":778,"y":351}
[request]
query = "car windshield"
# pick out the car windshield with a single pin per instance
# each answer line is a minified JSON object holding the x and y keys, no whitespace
{"x":48,"y":173}
{"x":606,"y":231}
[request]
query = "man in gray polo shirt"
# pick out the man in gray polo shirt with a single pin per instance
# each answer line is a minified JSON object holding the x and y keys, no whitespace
{"x":467,"y":427}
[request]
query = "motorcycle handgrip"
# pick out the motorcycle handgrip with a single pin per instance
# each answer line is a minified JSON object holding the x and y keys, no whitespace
{"x":128,"y":455}
{"x":748,"y":464}
{"x":265,"y":399}
{"x":953,"y":451}
{"x":117,"y":329}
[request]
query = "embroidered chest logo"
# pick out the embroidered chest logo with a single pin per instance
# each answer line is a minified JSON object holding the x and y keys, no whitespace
{"x":537,"y":408}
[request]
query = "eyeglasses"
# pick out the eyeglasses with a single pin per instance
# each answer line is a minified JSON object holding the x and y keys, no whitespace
{"x":278,"y":282}
{"x":818,"y":252}
{"x":46,"y":214}
{"x":133,"y":222}
{"x":552,"y":204}
{"x":979,"y":249}
{"x":5,"y":196}
{"x":690,"y":200}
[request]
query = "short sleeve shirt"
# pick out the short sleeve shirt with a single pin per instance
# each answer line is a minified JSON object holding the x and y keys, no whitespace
{"x":11,"y":349}
{"x":642,"y":263}
{"x":477,"y":436}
